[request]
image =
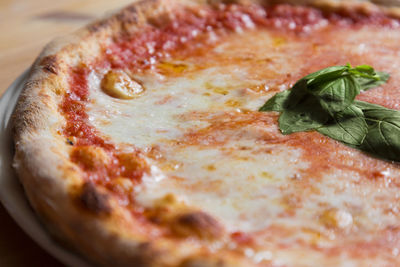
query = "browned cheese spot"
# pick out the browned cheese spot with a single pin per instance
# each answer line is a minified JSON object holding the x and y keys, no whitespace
{"x":118,"y":84}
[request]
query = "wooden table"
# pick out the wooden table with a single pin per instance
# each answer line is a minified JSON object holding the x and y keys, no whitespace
{"x":25,"y":27}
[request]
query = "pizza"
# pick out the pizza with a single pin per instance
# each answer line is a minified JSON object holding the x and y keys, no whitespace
{"x":138,"y":139}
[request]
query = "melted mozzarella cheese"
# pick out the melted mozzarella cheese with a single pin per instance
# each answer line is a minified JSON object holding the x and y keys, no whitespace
{"x":219,"y":155}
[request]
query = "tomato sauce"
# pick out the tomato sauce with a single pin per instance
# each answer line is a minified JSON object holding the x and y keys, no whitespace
{"x":82,"y":135}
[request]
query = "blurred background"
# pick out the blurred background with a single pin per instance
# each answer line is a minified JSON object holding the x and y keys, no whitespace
{"x":25,"y":27}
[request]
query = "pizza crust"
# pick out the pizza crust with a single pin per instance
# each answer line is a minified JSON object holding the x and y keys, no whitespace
{"x":98,"y":227}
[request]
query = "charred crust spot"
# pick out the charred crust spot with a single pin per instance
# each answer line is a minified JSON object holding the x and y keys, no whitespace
{"x":148,"y":251}
{"x":197,"y":223}
{"x":146,"y":254}
{"x":69,"y":142}
{"x":227,"y":2}
{"x":97,"y":26}
{"x":203,"y":262}
{"x":94,"y":201}
{"x":128,"y":15}
{"x":49,"y":64}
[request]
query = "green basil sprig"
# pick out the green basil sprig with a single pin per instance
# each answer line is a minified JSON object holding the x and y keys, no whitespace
{"x":324,"y":101}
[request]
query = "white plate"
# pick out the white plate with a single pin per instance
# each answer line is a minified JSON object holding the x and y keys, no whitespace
{"x":11,"y":192}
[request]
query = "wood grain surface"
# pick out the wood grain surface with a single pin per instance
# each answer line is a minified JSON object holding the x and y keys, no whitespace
{"x":26,"y":26}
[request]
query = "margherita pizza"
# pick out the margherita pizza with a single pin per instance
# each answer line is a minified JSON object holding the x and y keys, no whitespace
{"x":139,"y":140}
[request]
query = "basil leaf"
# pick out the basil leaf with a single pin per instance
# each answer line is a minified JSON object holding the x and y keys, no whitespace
{"x":348,"y":127}
{"x":277,"y":102}
{"x":336,"y":95}
{"x":307,"y":116}
{"x":383,"y":138}
{"x":325,"y":101}
{"x":368,"y":107}
{"x":297,"y":94}
{"x":367,"y":84}
{"x":325,"y":74}
{"x":365,"y":69}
